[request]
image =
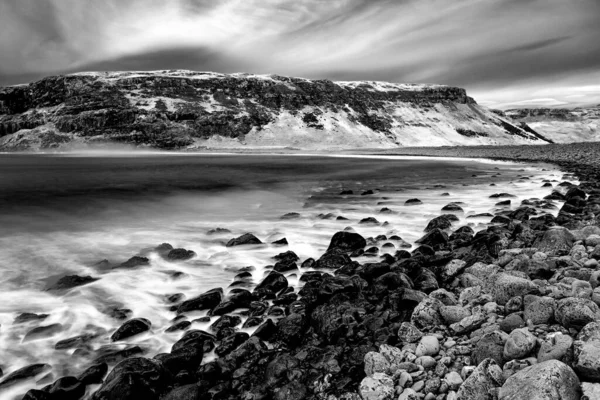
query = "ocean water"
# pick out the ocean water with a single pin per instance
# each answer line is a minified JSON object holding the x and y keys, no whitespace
{"x":63,"y":214}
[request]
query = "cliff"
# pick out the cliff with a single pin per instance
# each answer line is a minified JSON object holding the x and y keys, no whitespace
{"x":560,"y":124}
{"x":185,"y":109}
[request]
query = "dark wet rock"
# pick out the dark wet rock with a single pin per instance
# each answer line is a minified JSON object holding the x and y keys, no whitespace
{"x":230,"y":343}
{"x":369,"y":220}
{"x":436,"y":238}
{"x":345,"y":192}
{"x":35,"y":394}
{"x":442,"y":222}
{"x":112,"y":356}
{"x":131,"y":328}
{"x":186,"y":392}
{"x":186,"y":358}
{"x":205,"y":301}
{"x":133,"y":262}
{"x":195,"y":338}
{"x":367,"y":192}
{"x":502,"y":195}
{"x":281,"y":242}
{"x":180,"y":255}
{"x":291,"y":215}
{"x":179,"y":326}
{"x":72,"y":342}
{"x":452,"y":207}
{"x":266,"y":330}
{"x":24,"y":373}
{"x":291,"y":329}
{"x":412,"y":202}
{"x":133,"y":379}
{"x":26,"y":317}
{"x":333,"y":260}
{"x":225,"y":321}
{"x":71,"y":281}
{"x":67,"y":388}
{"x":482,"y":215}
{"x":43,"y":332}
{"x":218,"y":231}
{"x":93,"y":374}
{"x":274,"y":283}
{"x":503,"y":203}
{"x":246,"y":238}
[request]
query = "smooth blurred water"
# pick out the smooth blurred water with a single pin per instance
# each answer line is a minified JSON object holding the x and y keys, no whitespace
{"x":62,"y":214}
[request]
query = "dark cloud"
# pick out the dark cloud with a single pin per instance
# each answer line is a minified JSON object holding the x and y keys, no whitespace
{"x":501,"y":50}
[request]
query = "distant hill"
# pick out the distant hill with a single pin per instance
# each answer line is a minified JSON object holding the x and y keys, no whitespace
{"x":562,"y":125}
{"x":189,"y":110}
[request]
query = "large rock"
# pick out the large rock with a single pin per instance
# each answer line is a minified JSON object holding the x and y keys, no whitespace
{"x":206,"y":301}
{"x":576,"y":313}
{"x":539,"y":310}
{"x":376,"y":362}
{"x":379,"y":386}
{"x":520,"y":344}
{"x":426,"y":314}
{"x":587,"y":359}
{"x":549,"y":380}
{"x":507,"y":286}
{"x":482,"y":383}
{"x":491,"y":345}
{"x":556,"y":241}
{"x":131,"y":328}
{"x":133,"y":379}
{"x":347,"y":242}
{"x":246,"y":238}
{"x":557,"y":347}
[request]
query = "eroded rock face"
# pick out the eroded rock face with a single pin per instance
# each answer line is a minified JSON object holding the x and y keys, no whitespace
{"x":177,"y":109}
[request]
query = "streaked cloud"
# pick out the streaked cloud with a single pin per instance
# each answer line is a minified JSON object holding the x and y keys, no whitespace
{"x":503,"y":51}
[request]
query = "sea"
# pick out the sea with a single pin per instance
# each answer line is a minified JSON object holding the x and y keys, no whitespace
{"x":82,"y":213}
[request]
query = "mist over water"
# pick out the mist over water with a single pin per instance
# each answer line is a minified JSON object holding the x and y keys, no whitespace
{"x":62,"y":215}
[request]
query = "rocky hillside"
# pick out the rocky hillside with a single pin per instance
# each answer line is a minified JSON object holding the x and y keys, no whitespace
{"x":185,"y":109}
{"x":562,"y":125}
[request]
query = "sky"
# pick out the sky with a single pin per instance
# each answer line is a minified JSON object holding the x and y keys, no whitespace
{"x":506,"y":53}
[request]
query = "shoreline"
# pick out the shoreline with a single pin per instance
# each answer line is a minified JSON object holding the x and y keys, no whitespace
{"x":393,"y":362}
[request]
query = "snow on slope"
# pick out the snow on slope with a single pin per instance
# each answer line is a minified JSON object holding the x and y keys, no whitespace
{"x":179,"y":108}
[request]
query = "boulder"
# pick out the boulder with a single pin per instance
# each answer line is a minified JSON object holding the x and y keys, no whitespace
{"x":375,"y":362}
{"x":506,"y":286}
{"x":556,"y":241}
{"x":556,"y":347}
{"x":347,"y":242}
{"x":246,"y":238}
{"x":483,"y":382}
{"x":133,"y":379}
{"x":491,"y":345}
{"x":206,"y":301}
{"x":379,"y":386}
{"x":548,"y":380}
{"x":131,"y":328}
{"x":520,"y":344}
{"x":587,"y":359}
{"x":428,"y":346}
{"x":576,"y":313}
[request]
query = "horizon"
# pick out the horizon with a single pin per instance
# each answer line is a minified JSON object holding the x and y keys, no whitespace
{"x":506,"y":53}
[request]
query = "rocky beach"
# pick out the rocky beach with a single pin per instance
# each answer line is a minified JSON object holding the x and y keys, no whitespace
{"x":509,"y":311}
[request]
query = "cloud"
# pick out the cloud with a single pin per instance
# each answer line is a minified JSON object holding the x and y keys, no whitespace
{"x":490,"y":47}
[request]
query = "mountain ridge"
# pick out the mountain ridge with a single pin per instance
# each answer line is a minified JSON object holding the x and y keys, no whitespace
{"x":561,"y":125}
{"x":180,"y":109}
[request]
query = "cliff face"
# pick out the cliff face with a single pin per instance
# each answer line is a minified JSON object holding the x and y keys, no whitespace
{"x":561,"y":125}
{"x":185,"y":109}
